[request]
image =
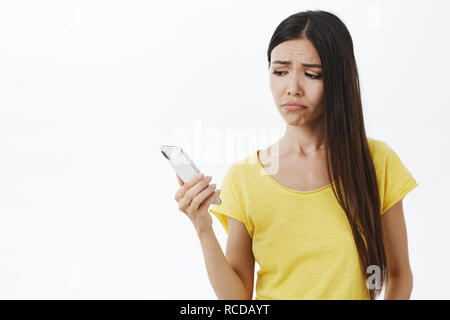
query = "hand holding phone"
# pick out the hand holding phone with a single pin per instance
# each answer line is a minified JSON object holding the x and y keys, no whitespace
{"x":183,"y":165}
{"x":196,"y":194}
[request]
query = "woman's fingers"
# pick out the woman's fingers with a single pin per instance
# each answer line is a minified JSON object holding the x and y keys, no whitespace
{"x":186,"y":186}
{"x":210,"y":199}
{"x":190,"y":195}
{"x":201,"y":196}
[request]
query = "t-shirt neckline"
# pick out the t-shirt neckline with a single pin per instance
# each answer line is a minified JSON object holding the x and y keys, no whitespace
{"x":266,"y":174}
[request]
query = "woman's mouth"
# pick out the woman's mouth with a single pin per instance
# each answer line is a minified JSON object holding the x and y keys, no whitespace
{"x":293,"y":107}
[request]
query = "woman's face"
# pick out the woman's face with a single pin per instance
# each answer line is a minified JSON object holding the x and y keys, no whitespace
{"x":297,"y":81}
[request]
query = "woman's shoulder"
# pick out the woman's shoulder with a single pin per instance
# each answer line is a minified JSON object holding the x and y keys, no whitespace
{"x":378,"y":148}
{"x":243,"y":166}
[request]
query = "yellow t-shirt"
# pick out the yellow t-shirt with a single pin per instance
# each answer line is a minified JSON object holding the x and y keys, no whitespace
{"x":302,"y":240}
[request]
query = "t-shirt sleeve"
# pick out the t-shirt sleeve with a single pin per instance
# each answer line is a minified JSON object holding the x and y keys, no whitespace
{"x":232,"y":201}
{"x":398,"y":180}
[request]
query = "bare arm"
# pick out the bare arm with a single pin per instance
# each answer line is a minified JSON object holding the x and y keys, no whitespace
{"x":194,"y":198}
{"x":400,"y":279}
{"x":226,"y":283}
{"x":240,"y":253}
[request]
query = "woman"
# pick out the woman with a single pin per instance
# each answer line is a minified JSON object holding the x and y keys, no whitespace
{"x":321,"y":209}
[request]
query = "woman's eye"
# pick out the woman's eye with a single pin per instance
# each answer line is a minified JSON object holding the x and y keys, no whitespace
{"x":312,"y":76}
{"x":309,"y":75}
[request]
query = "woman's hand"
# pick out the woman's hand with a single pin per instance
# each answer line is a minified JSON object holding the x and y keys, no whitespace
{"x":194,"y":198}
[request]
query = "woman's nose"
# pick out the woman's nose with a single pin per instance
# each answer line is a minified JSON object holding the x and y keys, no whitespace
{"x":295,"y":88}
{"x":295,"y":91}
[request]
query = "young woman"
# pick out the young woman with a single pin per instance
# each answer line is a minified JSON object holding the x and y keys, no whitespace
{"x":321,"y":209}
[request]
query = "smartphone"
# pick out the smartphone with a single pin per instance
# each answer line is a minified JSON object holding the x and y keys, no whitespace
{"x":182,"y":164}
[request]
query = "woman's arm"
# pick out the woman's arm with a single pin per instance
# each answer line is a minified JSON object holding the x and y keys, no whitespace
{"x":225,"y":281}
{"x":400,"y":279}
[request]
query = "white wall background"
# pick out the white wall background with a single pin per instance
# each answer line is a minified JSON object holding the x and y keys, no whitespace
{"x":89,"y":90}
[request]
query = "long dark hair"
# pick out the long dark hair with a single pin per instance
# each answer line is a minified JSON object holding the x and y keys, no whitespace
{"x":348,"y":156}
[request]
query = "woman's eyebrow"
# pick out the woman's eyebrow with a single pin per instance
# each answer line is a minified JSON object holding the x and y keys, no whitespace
{"x":308,"y":65}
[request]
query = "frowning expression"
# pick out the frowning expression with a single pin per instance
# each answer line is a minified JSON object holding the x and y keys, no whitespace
{"x":296,"y":76}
